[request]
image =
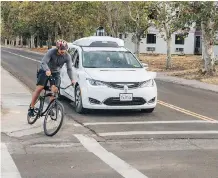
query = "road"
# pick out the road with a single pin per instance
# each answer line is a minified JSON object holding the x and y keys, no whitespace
{"x":179,"y":139}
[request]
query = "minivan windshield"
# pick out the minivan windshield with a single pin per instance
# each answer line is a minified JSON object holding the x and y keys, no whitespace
{"x":109,"y":59}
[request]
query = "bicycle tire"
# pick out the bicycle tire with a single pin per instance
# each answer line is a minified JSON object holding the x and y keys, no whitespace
{"x":36,"y":110}
{"x":61,"y":107}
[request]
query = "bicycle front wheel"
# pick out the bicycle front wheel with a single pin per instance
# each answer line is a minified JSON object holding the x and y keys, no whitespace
{"x":53,"y":118}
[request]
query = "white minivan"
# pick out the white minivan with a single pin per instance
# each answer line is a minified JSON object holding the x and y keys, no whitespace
{"x":108,"y":76}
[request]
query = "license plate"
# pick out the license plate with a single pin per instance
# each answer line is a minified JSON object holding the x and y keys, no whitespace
{"x":125,"y":97}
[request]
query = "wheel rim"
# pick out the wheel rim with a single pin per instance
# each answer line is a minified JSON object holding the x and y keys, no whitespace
{"x":78,"y":98}
{"x":53,"y":122}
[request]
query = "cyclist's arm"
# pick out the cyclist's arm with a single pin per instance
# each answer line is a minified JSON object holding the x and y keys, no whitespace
{"x":69,"y":67}
{"x":45,"y":60}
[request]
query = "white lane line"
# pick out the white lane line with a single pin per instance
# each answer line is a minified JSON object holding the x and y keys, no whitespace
{"x":22,"y":56}
{"x":8,"y":167}
{"x":109,"y":158}
{"x":157,"y":133}
{"x":77,"y":125}
{"x":145,"y":122}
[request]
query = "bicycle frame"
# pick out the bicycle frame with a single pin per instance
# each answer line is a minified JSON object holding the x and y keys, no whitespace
{"x":42,"y":101}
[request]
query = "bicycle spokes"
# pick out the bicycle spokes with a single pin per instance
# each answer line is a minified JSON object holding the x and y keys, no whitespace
{"x":53,"y":119}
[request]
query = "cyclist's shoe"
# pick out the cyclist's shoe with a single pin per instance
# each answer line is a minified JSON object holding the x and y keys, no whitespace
{"x":31,"y":112}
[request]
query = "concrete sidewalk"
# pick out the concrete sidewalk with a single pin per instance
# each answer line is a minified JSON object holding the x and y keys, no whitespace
{"x":15,"y":99}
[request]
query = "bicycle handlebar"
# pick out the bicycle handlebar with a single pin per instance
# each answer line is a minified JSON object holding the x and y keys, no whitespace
{"x":61,"y":87}
{"x":67,"y":86}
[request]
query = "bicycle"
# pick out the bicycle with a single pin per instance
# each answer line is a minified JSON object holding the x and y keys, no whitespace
{"x":54,"y":104}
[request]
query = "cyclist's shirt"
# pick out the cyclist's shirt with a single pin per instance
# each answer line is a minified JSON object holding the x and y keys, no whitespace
{"x":54,"y":62}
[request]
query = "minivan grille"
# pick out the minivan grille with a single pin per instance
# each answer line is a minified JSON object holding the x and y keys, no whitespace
{"x":115,"y":101}
{"x":117,"y":85}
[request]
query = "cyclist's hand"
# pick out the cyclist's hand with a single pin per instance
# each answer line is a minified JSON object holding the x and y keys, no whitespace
{"x":73,"y":82}
{"x":48,"y":72}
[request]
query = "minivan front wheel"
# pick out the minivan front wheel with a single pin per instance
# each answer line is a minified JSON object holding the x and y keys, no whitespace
{"x":78,"y":101}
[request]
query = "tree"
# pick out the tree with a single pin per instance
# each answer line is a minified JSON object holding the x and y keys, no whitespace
{"x":139,"y":15}
{"x":170,"y":18}
{"x":114,"y":15}
{"x":205,"y":13}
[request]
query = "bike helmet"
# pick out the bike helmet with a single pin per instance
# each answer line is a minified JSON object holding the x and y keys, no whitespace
{"x":61,"y":44}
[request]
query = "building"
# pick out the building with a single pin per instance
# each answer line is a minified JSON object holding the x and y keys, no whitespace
{"x":154,"y":43}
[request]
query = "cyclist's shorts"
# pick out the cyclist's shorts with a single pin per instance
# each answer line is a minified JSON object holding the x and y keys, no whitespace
{"x":42,"y":78}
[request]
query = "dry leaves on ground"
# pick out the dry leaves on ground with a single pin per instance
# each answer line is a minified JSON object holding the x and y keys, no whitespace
{"x":179,"y":63}
{"x":182,"y":66}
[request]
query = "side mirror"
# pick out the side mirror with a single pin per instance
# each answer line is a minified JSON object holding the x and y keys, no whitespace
{"x":145,"y":65}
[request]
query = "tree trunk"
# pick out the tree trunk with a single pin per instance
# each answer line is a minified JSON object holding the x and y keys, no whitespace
{"x":137,"y":46}
{"x":168,"y":40}
{"x":32,"y":44}
{"x":6,"y":42}
{"x":202,"y":48}
{"x":17,"y":41}
{"x":202,"y":56}
{"x":38,"y":41}
{"x":168,"y":62}
{"x":49,"y":40}
{"x":21,"y":41}
{"x":28,"y":43}
{"x":208,"y":50}
{"x":56,"y":33}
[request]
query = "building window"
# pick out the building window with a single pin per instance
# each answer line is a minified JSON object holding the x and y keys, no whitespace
{"x":151,"y":38}
{"x":179,"y":39}
{"x":121,"y":36}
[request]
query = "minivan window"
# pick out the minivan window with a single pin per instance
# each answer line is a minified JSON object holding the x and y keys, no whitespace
{"x":110,"y":59}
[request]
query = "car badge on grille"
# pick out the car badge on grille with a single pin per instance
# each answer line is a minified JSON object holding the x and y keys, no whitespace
{"x":125,"y":88}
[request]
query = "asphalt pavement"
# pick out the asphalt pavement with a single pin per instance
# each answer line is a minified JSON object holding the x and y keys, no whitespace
{"x":179,"y":139}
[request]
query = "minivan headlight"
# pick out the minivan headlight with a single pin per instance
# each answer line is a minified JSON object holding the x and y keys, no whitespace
{"x":95,"y":82}
{"x":147,"y":83}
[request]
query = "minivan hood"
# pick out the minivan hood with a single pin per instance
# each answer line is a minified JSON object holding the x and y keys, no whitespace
{"x":120,"y":75}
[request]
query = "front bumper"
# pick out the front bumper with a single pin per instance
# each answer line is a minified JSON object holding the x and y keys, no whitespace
{"x":108,"y":98}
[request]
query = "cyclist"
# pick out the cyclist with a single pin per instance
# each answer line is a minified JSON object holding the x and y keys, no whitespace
{"x":50,"y":65}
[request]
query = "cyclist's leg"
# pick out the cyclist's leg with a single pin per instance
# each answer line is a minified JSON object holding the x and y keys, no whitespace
{"x":36,"y":94}
{"x":55,"y":83}
{"x":54,"y":87}
{"x":41,"y":82}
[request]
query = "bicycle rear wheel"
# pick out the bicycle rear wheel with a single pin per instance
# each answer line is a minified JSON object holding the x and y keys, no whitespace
{"x":32,"y":120}
{"x":53,"y":118}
